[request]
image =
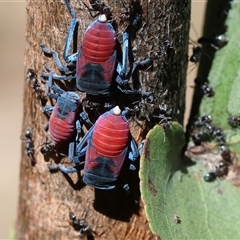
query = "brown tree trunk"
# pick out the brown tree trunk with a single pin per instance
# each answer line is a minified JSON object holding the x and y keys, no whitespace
{"x":47,"y":198}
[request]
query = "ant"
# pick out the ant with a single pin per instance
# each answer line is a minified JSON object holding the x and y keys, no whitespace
{"x":80,"y":224}
{"x":196,"y":50}
{"x":220,"y":170}
{"x":196,"y":54}
{"x":163,"y":113}
{"x":201,"y":121}
{"x":47,"y":148}
{"x":32,"y":76}
{"x":29,"y":145}
{"x":234,"y":121}
{"x":204,"y":88}
{"x":99,"y":7}
{"x":217,"y":42}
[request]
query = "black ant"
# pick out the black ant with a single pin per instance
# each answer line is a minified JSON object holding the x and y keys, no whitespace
{"x":217,"y":42}
{"x":163,"y":113}
{"x":80,"y":224}
{"x":32,"y":76}
{"x":220,"y":170}
{"x":29,"y":145}
{"x":99,"y":7}
{"x":47,"y":148}
{"x":234,"y":121}
{"x":204,"y":88}
{"x":201,"y":121}
{"x":196,"y":54}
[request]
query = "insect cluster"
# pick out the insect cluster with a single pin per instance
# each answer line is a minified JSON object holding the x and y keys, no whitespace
{"x":94,"y":129}
{"x":206,"y":46}
{"x":102,"y":77}
{"x":202,"y":131}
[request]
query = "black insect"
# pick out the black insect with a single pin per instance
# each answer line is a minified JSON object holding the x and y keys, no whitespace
{"x":164,"y":122}
{"x":217,"y":42}
{"x":204,"y":88}
{"x":32,"y":77}
{"x":202,"y":121}
{"x":29,"y":145}
{"x":234,"y":121}
{"x":199,"y":137}
{"x":196,"y":54}
{"x":163,"y":115}
{"x":219,"y":136}
{"x":226,"y":154}
{"x":47,"y":148}
{"x":221,"y":40}
{"x":219,"y":171}
{"x":80,"y":224}
{"x":202,"y":130}
{"x":99,"y":7}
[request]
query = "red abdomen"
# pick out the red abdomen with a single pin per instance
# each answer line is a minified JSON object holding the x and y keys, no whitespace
{"x":99,"y":42}
{"x":61,"y":130}
{"x":111,"y":135}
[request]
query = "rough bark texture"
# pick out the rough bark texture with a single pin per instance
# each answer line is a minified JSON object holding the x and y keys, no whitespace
{"x":47,"y":198}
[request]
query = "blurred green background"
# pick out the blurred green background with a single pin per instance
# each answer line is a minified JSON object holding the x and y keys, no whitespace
{"x":12,"y":40}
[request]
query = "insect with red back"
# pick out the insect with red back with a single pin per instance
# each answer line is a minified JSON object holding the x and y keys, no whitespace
{"x":107,"y":144}
{"x":97,"y":69}
{"x":96,"y":60}
{"x":66,"y":115}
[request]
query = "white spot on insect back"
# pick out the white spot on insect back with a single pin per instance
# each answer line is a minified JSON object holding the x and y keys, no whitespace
{"x":102,"y":18}
{"x":116,"y":110}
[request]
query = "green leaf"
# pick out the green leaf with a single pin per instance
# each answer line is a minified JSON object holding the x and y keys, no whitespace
{"x":205,"y":210}
{"x":225,"y":74}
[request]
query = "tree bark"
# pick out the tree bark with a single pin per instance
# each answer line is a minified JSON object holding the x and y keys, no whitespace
{"x":47,"y":198}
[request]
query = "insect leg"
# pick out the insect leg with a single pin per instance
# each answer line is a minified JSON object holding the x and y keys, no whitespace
{"x":70,"y":58}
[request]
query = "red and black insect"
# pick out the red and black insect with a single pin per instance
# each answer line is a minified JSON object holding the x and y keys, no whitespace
{"x":97,"y":69}
{"x":65,"y":120}
{"x":64,"y":117}
{"x":107,"y":144}
{"x":97,"y":58}
{"x":108,"y":147}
